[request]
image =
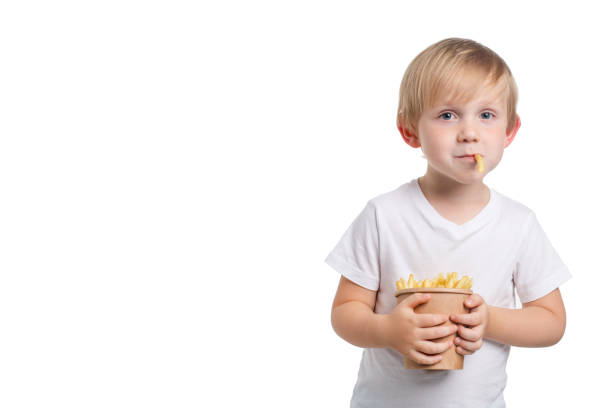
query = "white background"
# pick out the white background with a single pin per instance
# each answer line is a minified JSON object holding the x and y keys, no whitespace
{"x":173,"y":174}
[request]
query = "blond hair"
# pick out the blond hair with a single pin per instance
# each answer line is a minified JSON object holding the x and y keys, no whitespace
{"x":456,"y":68}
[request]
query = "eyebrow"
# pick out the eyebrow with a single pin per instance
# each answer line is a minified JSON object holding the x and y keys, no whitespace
{"x":484,"y":105}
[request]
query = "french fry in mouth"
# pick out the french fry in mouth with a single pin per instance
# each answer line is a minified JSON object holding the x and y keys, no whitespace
{"x":480,"y":162}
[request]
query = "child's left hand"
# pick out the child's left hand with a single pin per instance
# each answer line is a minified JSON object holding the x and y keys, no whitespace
{"x":469,"y":339}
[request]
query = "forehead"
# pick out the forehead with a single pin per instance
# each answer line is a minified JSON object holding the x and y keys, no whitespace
{"x":483,"y":97}
{"x":470,"y":86}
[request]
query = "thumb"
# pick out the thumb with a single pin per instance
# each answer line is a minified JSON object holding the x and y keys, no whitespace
{"x":415,"y":299}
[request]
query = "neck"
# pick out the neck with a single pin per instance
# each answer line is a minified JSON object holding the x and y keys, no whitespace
{"x":437,"y":186}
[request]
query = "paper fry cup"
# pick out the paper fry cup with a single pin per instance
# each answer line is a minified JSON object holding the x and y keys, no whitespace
{"x":442,"y":301}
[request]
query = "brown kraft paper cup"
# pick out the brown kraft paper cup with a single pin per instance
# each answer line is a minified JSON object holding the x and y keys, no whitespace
{"x":442,"y":301}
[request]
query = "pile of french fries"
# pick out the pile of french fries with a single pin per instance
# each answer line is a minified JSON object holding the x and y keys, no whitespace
{"x":450,"y":281}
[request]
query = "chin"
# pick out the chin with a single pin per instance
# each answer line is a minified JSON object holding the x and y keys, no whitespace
{"x":463,"y":176}
{"x":470,"y":179}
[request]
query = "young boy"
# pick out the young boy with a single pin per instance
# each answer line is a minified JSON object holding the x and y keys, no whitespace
{"x":457,"y":100}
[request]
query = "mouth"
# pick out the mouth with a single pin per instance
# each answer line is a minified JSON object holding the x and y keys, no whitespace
{"x":467,"y":155}
{"x":473,"y":158}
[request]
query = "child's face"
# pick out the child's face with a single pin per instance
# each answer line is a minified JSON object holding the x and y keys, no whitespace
{"x":449,"y":130}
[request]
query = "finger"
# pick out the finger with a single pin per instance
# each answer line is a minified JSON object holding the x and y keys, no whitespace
{"x":437,"y":332}
{"x":469,"y":319}
{"x":430,"y":320}
{"x":432,"y":347}
{"x":469,"y":334}
{"x":415,"y":299}
{"x":468,"y":345}
{"x":423,"y":359}
{"x":463,"y":351}
{"x":473,"y":301}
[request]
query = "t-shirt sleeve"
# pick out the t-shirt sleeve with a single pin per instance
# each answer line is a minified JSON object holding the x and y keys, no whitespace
{"x":356,"y":256}
{"x":539,"y":269}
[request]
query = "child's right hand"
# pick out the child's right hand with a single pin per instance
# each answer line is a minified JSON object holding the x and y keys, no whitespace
{"x":411,"y":333}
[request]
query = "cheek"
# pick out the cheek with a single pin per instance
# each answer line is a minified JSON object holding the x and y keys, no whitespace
{"x":496,"y":149}
{"x":440,"y":147}
{"x":437,"y":143}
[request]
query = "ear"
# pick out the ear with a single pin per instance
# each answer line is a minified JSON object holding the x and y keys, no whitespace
{"x":510,"y":135}
{"x":408,"y":136}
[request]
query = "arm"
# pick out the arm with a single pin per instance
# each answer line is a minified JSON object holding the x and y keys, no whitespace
{"x":405,"y":331}
{"x":540,"y":323}
{"x":353,"y":316}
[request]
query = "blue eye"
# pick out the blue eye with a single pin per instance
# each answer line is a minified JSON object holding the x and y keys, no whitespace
{"x":486,"y":115}
{"x":446,"y":115}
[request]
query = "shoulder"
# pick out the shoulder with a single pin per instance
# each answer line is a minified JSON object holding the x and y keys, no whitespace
{"x":391,"y":201}
{"x":513,"y":211}
{"x":391,"y":204}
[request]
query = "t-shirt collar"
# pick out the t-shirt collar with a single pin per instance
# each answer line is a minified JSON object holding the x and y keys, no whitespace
{"x":439,"y":222}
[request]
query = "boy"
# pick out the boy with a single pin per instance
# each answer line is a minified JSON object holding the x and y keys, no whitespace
{"x":457,"y":100}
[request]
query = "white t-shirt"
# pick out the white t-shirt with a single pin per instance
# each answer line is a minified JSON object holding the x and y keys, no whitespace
{"x":398,"y":233}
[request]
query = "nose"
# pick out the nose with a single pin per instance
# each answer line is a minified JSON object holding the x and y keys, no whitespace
{"x":467,"y":133}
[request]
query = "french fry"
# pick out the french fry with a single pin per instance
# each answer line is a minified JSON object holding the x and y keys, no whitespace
{"x":436,"y":281}
{"x":411,"y":283}
{"x":461,"y":284}
{"x":398,"y":285}
{"x":441,"y":280}
{"x":427,"y":283}
{"x":480,"y":162}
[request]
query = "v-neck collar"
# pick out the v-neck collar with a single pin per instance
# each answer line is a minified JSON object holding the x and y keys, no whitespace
{"x":457,"y":231}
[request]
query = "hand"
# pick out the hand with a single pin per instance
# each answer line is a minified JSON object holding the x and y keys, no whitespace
{"x":472,"y":325}
{"x":410,"y":333}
